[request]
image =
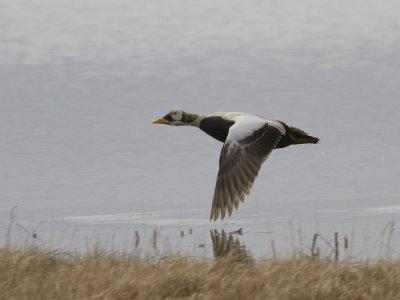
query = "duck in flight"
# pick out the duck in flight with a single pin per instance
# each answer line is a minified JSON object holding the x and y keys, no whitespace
{"x":248,"y":140}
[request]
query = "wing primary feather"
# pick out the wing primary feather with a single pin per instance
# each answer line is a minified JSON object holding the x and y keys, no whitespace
{"x":223,"y":211}
{"x":216,"y":214}
{"x":230,"y":208}
{"x":236,"y":201}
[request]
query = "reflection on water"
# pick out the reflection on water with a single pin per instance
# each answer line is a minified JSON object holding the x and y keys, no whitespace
{"x":226,"y":245}
{"x":244,"y":243}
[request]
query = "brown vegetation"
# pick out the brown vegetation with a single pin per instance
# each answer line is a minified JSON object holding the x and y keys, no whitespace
{"x":36,"y":274}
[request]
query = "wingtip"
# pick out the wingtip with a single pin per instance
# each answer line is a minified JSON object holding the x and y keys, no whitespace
{"x":214,"y":214}
{"x":223,"y":212}
{"x":230,"y":208}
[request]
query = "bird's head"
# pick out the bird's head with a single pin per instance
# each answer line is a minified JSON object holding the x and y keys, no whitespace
{"x":177,"y":117}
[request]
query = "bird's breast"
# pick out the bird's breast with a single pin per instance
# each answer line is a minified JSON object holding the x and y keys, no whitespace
{"x":216,"y":126}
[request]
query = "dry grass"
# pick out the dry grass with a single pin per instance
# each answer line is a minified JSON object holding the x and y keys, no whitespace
{"x":36,"y":274}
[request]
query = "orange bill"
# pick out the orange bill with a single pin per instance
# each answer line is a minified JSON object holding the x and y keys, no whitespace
{"x":159,"y":121}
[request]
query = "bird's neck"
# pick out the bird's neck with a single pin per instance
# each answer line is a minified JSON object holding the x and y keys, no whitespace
{"x":192,"y":119}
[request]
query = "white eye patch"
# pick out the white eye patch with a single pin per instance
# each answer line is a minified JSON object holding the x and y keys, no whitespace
{"x":176,"y":115}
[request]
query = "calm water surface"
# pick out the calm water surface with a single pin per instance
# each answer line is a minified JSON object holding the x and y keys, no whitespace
{"x":81,"y":82}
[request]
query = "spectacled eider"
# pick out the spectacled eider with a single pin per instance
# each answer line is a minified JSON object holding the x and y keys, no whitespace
{"x":248,"y":140}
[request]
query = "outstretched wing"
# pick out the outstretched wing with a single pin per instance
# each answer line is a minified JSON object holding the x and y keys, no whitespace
{"x":245,"y":149}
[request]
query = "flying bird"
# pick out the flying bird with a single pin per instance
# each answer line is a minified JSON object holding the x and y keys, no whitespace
{"x":248,"y":141}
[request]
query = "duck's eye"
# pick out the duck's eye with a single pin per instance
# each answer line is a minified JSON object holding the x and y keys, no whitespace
{"x":176,"y":115}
